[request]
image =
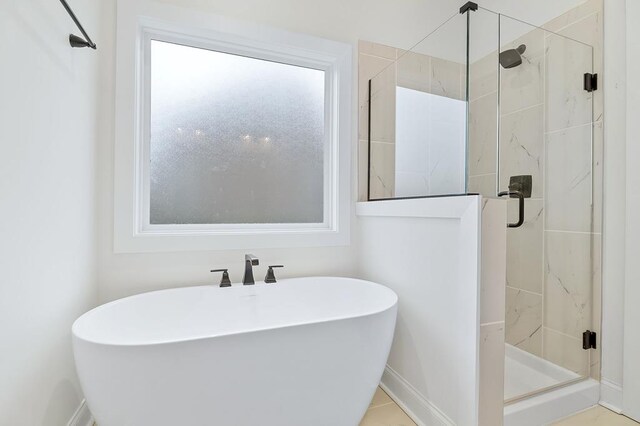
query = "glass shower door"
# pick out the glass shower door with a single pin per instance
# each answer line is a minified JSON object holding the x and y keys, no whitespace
{"x":545,"y":150}
{"x":417,"y":118}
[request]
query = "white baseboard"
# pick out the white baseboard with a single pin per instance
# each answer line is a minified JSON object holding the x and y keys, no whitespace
{"x":421,"y":410}
{"x":611,"y":395}
{"x":82,"y":416}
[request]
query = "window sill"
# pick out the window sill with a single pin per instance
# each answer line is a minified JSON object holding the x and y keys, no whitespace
{"x":214,"y":240}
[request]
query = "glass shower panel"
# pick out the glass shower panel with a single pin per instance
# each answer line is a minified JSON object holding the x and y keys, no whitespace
{"x":483,"y":103}
{"x":417,"y":118}
{"x":545,"y":151}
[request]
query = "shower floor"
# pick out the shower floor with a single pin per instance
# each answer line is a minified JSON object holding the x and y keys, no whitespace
{"x":526,"y":373}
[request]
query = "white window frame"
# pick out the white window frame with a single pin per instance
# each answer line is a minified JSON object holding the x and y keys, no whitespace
{"x":139,"y":22}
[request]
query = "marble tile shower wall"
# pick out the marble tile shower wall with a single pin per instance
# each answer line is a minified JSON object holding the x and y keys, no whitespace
{"x":483,"y":118}
{"x":546,"y":125}
{"x":394,"y":67}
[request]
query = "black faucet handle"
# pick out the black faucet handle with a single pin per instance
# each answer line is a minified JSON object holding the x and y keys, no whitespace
{"x":225,"y":281}
{"x":271,"y":277}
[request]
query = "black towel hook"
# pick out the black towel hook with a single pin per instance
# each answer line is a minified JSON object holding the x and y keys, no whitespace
{"x":74,"y":40}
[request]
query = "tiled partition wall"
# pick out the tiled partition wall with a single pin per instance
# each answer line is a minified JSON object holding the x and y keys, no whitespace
{"x":553,"y":272}
{"x":413,"y":71}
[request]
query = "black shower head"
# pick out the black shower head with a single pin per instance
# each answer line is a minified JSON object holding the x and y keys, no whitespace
{"x":513,"y":57}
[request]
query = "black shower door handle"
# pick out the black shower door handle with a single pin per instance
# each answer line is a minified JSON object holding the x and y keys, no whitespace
{"x":520,"y":197}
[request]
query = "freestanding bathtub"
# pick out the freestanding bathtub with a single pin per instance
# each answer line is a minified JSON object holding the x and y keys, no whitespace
{"x":307,"y":351}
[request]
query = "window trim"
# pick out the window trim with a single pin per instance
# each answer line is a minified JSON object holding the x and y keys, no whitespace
{"x":141,"y":21}
{"x":241,"y":49}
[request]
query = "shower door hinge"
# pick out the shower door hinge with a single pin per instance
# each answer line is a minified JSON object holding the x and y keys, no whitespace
{"x":590,"y":82}
{"x":589,"y":340}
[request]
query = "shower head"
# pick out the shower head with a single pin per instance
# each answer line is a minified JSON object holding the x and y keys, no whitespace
{"x":513,"y":57}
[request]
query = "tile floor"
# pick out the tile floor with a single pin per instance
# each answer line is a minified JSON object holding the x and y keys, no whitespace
{"x":384,"y":412}
{"x":597,"y":416}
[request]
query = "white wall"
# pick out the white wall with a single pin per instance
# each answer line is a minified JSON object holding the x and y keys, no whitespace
{"x":631,"y":355}
{"x":620,"y":389}
{"x":399,"y":25}
{"x":48,"y":131}
{"x":614,"y":226}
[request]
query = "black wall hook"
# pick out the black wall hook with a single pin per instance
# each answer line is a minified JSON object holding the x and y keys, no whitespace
{"x":74,"y":40}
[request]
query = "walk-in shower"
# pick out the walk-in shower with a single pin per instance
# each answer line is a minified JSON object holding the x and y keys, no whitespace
{"x":488,"y":102}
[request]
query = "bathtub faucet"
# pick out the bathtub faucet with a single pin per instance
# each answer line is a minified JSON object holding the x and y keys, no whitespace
{"x":249,"y":262}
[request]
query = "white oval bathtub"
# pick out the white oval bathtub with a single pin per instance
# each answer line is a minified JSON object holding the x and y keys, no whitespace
{"x":306,"y":351}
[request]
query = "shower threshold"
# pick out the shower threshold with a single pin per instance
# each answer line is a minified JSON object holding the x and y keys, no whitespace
{"x":538,"y":392}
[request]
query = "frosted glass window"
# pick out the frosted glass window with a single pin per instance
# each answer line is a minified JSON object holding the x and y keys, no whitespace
{"x":233,"y":139}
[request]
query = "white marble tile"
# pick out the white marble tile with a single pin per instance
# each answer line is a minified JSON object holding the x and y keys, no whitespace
{"x":463,"y":81}
{"x":363,"y":120}
{"x":568,"y":104}
{"x":491,"y":375}
{"x":521,"y":148}
{"x":590,"y":31}
{"x":596,"y":315}
{"x":483,"y":135}
{"x":524,"y":247}
{"x":445,"y":79}
{"x":524,"y":320}
{"x":376,"y":49}
{"x":568,"y":180}
{"x":382,"y":171}
{"x":523,"y":86}
{"x":483,"y":76}
{"x":383,"y":106}
{"x":493,"y":261}
{"x":598,"y":173}
{"x":484,"y":184}
{"x":363,"y":170}
{"x":577,"y":13}
{"x":531,"y":36}
{"x":565,"y":351}
{"x":368,"y":67}
{"x":414,"y":71}
{"x":594,"y":363}
{"x":568,"y":282}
